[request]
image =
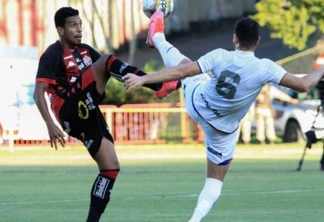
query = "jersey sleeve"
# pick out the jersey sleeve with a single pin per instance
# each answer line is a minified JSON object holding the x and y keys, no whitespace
{"x":274,"y":72}
{"x":46,"y":68}
{"x":209,"y":60}
{"x":95,"y":55}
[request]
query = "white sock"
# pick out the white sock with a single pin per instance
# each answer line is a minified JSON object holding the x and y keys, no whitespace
{"x":208,"y":196}
{"x":170,"y":55}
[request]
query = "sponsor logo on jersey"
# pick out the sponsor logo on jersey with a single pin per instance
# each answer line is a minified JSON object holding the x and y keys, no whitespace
{"x":123,"y":67}
{"x":81,"y":66}
{"x":85,"y":107}
{"x":208,"y":106}
{"x":89,"y":102}
{"x":81,"y":137}
{"x":83,"y":110}
{"x":70,"y":64}
{"x":73,"y":78}
{"x":101,"y":187}
{"x":67,"y":127}
{"x":214,"y":152}
{"x":68,"y":57}
{"x":88,"y":143}
{"x":117,"y":76}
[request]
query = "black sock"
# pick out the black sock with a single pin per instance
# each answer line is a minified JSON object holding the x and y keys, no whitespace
{"x":93,"y":215}
{"x":100,"y":194}
{"x":179,"y":84}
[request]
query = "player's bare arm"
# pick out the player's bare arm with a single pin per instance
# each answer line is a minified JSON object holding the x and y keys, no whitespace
{"x":302,"y":84}
{"x":169,"y":74}
{"x":54,"y":131}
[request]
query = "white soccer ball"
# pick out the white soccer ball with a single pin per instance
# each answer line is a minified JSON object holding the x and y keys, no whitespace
{"x":151,"y":6}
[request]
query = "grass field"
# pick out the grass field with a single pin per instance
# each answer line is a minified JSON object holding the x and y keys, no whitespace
{"x":161,"y":183}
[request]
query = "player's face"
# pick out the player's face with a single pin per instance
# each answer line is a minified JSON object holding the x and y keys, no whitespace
{"x":72,"y":31}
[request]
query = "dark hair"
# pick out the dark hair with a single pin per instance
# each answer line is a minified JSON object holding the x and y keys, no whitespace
{"x":62,"y":14}
{"x":247,"y":32}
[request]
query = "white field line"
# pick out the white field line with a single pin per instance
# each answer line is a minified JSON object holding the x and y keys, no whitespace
{"x":167,"y":196}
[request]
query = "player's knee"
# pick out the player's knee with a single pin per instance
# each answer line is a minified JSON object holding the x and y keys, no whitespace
{"x":108,"y":163}
{"x":105,"y":56}
{"x":104,"y":59}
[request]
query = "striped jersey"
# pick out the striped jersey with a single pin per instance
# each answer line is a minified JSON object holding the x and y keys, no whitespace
{"x":59,"y":67}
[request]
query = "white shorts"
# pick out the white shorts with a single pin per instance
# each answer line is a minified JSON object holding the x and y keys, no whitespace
{"x":220,"y":147}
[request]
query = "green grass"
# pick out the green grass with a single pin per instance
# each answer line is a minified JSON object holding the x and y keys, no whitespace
{"x":161,"y":183}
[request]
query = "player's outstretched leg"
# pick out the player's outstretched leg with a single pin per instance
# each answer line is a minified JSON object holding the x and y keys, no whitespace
{"x":156,"y":27}
{"x":171,"y":56}
{"x":156,"y":39}
{"x":109,"y":65}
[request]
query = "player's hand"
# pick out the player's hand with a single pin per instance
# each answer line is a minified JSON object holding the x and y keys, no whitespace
{"x":132,"y":81}
{"x":55,"y":133}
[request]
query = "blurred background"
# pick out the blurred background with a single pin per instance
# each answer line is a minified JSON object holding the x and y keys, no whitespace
{"x":290,"y":34}
{"x":161,"y":150}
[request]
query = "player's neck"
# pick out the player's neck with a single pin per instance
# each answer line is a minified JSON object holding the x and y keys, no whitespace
{"x":67,"y":45}
{"x":246,"y":49}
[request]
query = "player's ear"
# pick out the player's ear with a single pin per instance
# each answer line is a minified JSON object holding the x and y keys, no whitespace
{"x":235,"y":39}
{"x":259,"y":39}
{"x":60,"y":30}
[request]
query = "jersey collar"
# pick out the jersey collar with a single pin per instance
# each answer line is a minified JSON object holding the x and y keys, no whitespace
{"x":244,"y":53}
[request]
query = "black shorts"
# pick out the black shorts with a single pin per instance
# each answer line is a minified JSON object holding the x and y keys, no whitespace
{"x":79,"y":114}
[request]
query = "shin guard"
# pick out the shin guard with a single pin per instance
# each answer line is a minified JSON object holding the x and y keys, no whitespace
{"x":100,"y":193}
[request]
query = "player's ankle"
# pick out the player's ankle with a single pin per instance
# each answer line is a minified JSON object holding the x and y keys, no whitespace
{"x":94,"y":215}
{"x":158,"y":38}
{"x":197,"y":216}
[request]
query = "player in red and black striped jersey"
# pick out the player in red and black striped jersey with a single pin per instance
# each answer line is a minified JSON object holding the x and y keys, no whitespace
{"x":74,"y":75}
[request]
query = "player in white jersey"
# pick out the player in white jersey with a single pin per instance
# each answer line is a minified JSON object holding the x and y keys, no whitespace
{"x":219,"y":102}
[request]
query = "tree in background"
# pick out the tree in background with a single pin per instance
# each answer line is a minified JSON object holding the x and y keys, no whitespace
{"x":293,"y":21}
{"x":98,"y":14}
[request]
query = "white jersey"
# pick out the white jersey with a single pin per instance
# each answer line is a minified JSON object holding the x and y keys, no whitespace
{"x":236,"y":79}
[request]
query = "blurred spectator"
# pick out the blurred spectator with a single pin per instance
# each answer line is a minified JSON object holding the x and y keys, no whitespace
{"x":244,"y":130}
{"x":264,"y":112}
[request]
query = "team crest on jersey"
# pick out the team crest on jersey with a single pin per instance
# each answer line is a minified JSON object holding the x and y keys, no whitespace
{"x":87,"y":60}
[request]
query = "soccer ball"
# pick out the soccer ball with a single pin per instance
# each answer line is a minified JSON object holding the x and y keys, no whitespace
{"x":151,"y":6}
